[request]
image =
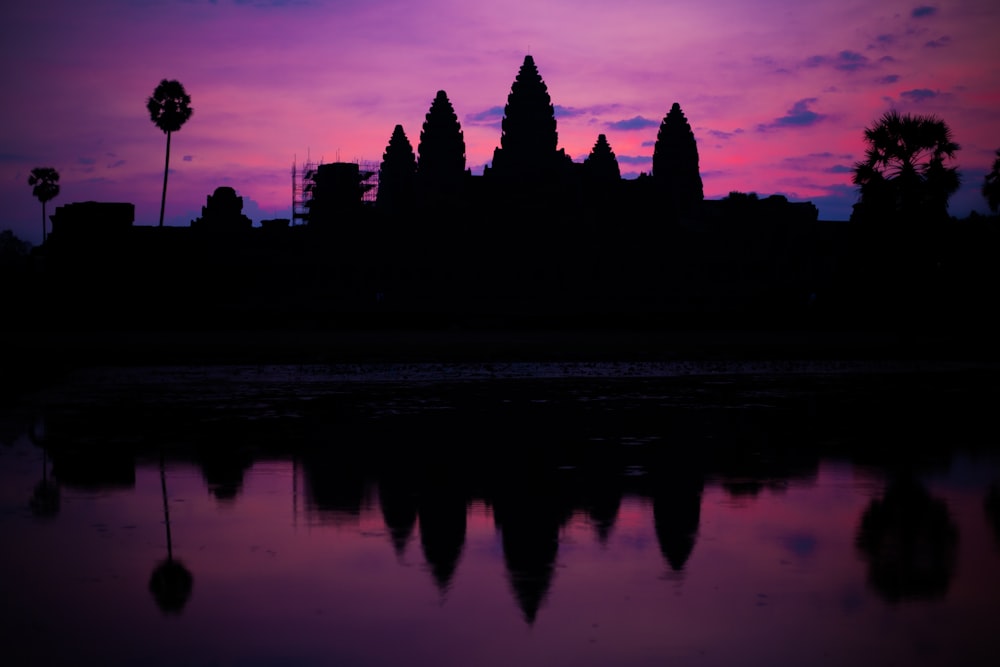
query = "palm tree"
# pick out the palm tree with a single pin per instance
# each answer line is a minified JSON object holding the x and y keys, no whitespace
{"x":903,"y":176}
{"x":45,"y":181}
{"x":169,"y":108}
{"x":991,"y":185}
{"x":904,"y":184}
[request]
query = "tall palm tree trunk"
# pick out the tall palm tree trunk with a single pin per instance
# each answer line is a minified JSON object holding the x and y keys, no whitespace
{"x":43,"y":223}
{"x":166,"y":169}
{"x":166,"y":509}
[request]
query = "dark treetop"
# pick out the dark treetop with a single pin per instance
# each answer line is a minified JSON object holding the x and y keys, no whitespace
{"x":169,"y":106}
{"x":903,"y":176}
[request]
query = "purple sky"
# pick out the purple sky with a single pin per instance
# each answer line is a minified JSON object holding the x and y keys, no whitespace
{"x":778,"y":92}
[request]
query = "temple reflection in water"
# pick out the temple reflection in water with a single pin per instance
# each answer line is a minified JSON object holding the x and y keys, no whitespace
{"x":606,"y":517}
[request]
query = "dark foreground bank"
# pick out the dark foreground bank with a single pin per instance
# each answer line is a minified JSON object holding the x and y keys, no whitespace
{"x":31,"y":358}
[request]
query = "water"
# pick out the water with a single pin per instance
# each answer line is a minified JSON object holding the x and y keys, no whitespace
{"x":570,"y":514}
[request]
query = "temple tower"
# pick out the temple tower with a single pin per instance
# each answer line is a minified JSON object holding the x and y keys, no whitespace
{"x":676,"y":177}
{"x":527,"y":154}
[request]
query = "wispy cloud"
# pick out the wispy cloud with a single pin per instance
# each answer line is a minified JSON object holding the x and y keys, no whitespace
{"x":568,"y":112}
{"x":817,"y":162}
{"x":919,"y":94}
{"x":923,"y":11}
{"x":722,"y":134}
{"x":800,"y":115}
{"x":887,"y":79}
{"x":491,"y":116}
{"x":844,"y":61}
{"x":635,"y":159}
{"x":15,"y":158}
{"x":883,"y":41}
{"x":939,"y":43}
{"x":635,"y":123}
{"x":268,"y":3}
{"x":709,"y":174}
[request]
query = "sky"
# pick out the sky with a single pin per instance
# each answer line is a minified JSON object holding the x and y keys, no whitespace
{"x":778,"y":92}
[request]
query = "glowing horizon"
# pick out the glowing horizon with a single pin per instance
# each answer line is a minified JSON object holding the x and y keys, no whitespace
{"x":777,"y":93}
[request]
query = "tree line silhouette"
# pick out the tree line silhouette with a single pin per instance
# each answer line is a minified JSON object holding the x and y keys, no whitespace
{"x":538,"y":235}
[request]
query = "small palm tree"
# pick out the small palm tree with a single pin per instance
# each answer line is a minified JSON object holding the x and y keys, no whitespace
{"x":169,"y":108}
{"x":991,"y":185}
{"x":45,"y":184}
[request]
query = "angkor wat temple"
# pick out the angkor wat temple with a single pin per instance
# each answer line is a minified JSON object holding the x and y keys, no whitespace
{"x":535,"y":235}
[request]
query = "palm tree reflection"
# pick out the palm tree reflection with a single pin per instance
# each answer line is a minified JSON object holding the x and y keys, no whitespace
{"x":910,"y":542}
{"x":171,"y":582}
{"x":992,"y":507}
{"x":46,"y":495}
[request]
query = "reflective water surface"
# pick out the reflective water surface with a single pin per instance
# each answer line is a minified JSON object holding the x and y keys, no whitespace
{"x":788,"y":514}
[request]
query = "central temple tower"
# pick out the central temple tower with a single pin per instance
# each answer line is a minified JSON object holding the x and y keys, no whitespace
{"x":527,"y":154}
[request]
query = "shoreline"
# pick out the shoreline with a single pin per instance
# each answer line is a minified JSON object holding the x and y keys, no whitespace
{"x":222,"y":346}
{"x":33,"y":357}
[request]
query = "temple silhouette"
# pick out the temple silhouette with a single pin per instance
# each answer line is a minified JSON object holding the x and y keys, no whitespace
{"x":536,"y":235}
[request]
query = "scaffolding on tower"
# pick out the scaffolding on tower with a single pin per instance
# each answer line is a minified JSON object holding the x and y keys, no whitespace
{"x":369,"y":180}
{"x":303,"y":181}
